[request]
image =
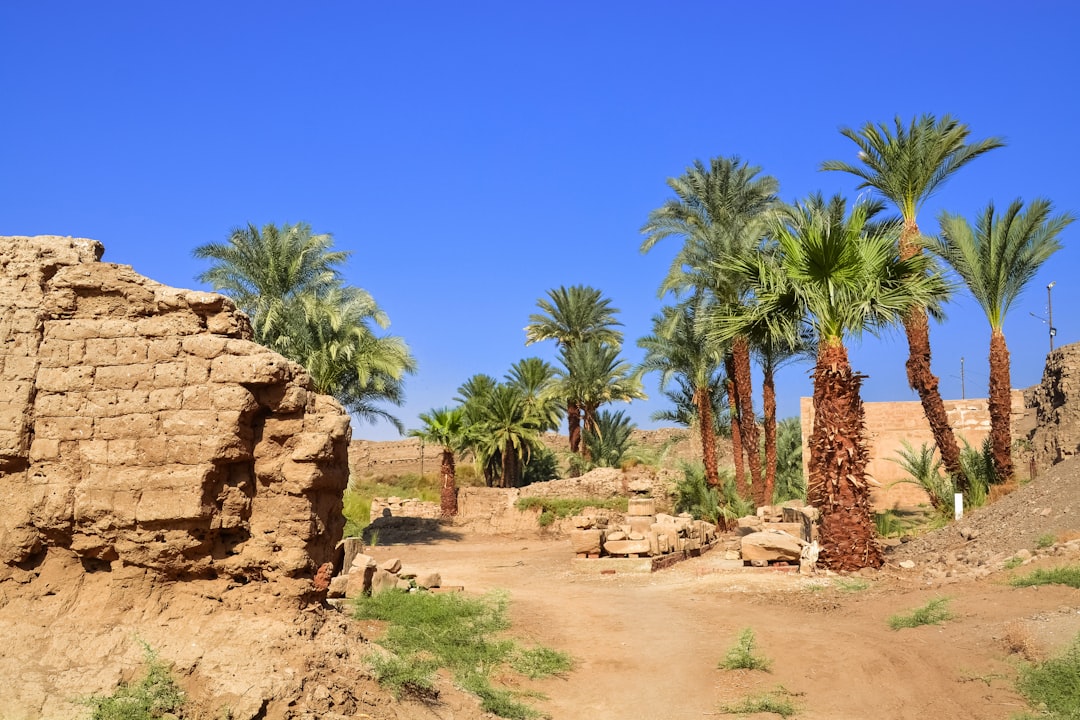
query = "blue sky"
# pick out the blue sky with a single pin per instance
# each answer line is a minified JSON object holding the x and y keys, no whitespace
{"x":474,"y":155}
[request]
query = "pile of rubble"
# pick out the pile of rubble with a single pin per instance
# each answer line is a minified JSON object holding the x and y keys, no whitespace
{"x":642,"y":532}
{"x":784,"y":534}
{"x":363,"y":575}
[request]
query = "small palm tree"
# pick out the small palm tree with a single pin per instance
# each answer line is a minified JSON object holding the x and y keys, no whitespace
{"x":446,"y":428}
{"x":996,"y":259}
{"x":609,"y":441}
{"x":678,"y":352}
{"x":845,"y":273}
{"x":506,"y":426}
{"x":594,"y":376}
{"x":571,"y":316}
{"x":907,"y":165}
{"x":536,"y":379}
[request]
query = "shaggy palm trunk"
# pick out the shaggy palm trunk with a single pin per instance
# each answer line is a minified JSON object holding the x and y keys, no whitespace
{"x":920,"y":377}
{"x":510,"y":466}
{"x":588,"y":424}
{"x":707,"y":429}
{"x":740,"y":353}
{"x":1000,"y":406}
{"x":448,"y":491}
{"x":838,"y":456}
{"x":573,"y":425}
{"x":736,"y":437}
{"x":768,"y":401}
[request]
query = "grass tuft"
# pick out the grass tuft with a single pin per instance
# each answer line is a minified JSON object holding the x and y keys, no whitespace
{"x":428,"y":631}
{"x":777,"y":702}
{"x":1067,"y":575}
{"x":1054,"y":685}
{"x":156,"y":694}
{"x":742,"y":656}
{"x":851,"y":585}
{"x":934,"y":612}
{"x":1045,"y":541}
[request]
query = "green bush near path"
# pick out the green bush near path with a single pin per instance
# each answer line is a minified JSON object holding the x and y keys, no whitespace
{"x":428,"y":631}
{"x":1067,"y":575}
{"x":1054,"y":685}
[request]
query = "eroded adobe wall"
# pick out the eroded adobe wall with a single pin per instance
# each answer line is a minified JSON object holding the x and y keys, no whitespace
{"x":889,"y":424}
{"x":140,"y":425}
{"x":1056,"y":401}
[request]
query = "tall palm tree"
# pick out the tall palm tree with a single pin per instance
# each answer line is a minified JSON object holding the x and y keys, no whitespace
{"x":446,"y":428}
{"x":720,"y":210}
{"x":288,"y":282}
{"x":907,"y":165}
{"x":594,"y":376}
{"x":571,"y":316}
{"x":847,"y":277}
{"x":996,"y":259}
{"x":676,"y":350}
{"x":473,"y":395}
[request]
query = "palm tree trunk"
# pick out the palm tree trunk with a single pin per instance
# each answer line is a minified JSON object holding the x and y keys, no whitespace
{"x":741,"y":487}
{"x":1000,"y":406}
{"x":588,"y":424}
{"x":573,"y":425}
{"x":740,"y":352}
{"x":838,"y":456}
{"x":708,"y":435}
{"x":920,"y":376}
{"x":509,"y":466}
{"x":768,"y":401}
{"x":448,"y":494}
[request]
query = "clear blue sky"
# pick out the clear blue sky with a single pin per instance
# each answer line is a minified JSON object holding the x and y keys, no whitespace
{"x":474,"y":155}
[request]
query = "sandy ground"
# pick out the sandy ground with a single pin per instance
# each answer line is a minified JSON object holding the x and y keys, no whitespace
{"x":647,"y":646}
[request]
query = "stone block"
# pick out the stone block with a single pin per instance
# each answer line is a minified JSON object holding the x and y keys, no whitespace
{"x":391,"y":565}
{"x":771,"y":546}
{"x":585,"y":541}
{"x":338,"y":586}
{"x":383,"y":580}
{"x":428,"y":579}
{"x":795,"y":529}
{"x":640,"y":524}
{"x":582,"y":522}
{"x":641,"y":507}
{"x":360,"y":582}
{"x":627,"y":547}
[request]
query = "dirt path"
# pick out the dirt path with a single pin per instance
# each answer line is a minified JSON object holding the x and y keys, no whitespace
{"x":647,"y":646}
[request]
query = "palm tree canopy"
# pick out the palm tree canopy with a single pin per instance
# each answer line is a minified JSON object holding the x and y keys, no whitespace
{"x":676,"y":349}
{"x":841,"y":273}
{"x":504,"y":421}
{"x":572,"y":315}
{"x":719,"y":209}
{"x":444,"y":427}
{"x":595,"y":375}
{"x":536,"y":379}
{"x":908,"y":164}
{"x":999,"y":256}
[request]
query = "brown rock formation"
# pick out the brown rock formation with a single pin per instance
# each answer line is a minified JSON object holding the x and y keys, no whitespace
{"x":1056,"y":401}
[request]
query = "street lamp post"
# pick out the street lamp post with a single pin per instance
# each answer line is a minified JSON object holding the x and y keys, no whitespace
{"x":1050,"y":314}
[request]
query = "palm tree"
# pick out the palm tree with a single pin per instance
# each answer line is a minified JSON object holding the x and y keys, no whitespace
{"x":506,"y":426}
{"x":594,"y":376}
{"x":996,"y":259}
{"x":536,"y":379}
{"x":446,"y":428}
{"x":263,"y":270}
{"x":677,"y":351}
{"x":610,"y":441}
{"x":720,"y":211}
{"x":907,"y":165}
{"x":473,"y":395}
{"x":288,"y":282}
{"x":846,"y":275}
{"x":571,"y":316}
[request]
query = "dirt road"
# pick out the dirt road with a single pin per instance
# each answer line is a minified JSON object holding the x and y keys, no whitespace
{"x":647,"y":645}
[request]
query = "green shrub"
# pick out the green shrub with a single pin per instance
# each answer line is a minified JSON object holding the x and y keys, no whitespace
{"x":1067,"y":575}
{"x":1045,"y":541}
{"x":851,"y":584}
{"x":790,"y":482}
{"x":718,"y":505}
{"x":157,"y":693}
{"x":1054,"y":685}
{"x":776,"y":702}
{"x":742,"y":656}
{"x":552,"y":508}
{"x":934,"y":612}
{"x":427,"y":631}
{"x":924,"y":469}
{"x":357,"y":512}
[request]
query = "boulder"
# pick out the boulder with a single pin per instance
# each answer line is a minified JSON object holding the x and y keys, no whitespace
{"x":627,"y":547}
{"x":585,"y":541}
{"x":771,"y":546}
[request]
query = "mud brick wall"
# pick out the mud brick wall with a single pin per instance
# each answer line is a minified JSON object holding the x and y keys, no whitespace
{"x":888,"y":424}
{"x":140,"y":425}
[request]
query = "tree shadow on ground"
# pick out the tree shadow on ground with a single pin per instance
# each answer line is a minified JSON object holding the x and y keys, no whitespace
{"x":390,"y":530}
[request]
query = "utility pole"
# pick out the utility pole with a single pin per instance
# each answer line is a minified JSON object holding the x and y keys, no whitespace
{"x":1050,"y":314}
{"x":963,"y":393}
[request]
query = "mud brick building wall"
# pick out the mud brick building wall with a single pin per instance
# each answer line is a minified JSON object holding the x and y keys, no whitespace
{"x":888,"y":424}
